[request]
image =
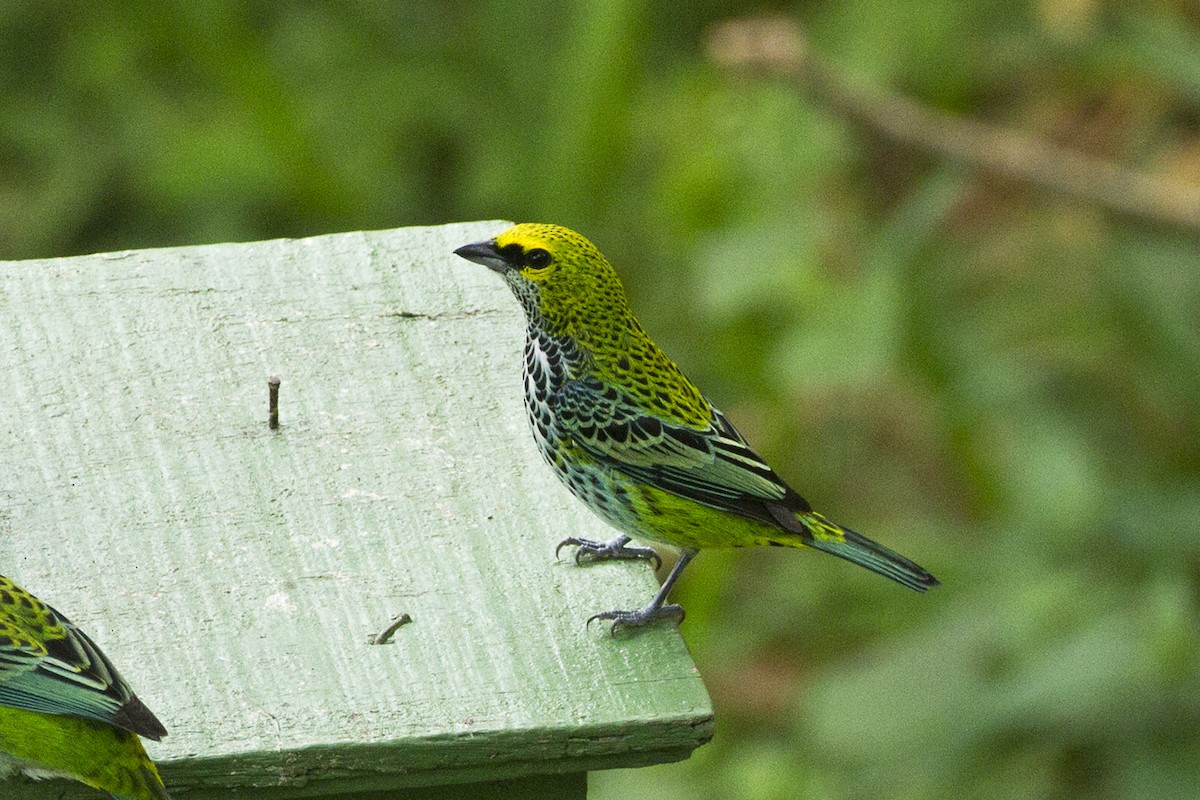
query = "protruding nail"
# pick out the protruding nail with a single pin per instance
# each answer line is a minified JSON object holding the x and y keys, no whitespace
{"x":385,"y":635}
{"x":273,"y":402}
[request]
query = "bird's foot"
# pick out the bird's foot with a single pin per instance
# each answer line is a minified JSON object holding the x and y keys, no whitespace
{"x":603,"y":551}
{"x":643,"y":616}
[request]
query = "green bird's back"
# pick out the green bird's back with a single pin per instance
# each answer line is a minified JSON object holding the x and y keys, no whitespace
{"x":632,"y":436}
{"x":65,"y":711}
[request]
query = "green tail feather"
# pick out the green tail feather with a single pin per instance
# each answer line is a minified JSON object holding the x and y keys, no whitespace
{"x":867,"y":553}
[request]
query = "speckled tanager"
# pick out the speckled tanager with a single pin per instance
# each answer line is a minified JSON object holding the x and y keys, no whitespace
{"x":633,"y":438}
{"x":65,"y":711}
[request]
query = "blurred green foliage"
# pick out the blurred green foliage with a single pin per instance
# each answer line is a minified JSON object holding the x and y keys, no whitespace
{"x":1000,"y":382}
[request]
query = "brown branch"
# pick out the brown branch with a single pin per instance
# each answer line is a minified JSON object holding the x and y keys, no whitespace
{"x":777,"y":45}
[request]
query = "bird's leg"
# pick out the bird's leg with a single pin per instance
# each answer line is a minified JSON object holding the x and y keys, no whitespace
{"x":658,"y":608}
{"x":603,"y":551}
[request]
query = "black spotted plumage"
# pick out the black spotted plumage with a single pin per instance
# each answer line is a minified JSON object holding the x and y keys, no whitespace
{"x":631,"y":436}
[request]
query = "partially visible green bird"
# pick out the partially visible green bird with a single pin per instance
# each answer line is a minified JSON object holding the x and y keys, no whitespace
{"x":633,"y":438}
{"x":65,"y":711}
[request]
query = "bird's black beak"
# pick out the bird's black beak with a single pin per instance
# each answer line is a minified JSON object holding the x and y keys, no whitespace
{"x":485,"y":253}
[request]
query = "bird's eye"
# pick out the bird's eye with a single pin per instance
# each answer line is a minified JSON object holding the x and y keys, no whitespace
{"x":537,"y":258}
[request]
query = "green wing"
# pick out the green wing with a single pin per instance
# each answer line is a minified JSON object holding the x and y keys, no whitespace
{"x":712,"y":465}
{"x":50,"y":666}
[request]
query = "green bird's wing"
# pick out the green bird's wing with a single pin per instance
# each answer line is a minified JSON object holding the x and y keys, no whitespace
{"x":50,"y":666}
{"x":712,"y":465}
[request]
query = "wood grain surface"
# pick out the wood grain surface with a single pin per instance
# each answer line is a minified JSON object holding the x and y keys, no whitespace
{"x":234,"y":573}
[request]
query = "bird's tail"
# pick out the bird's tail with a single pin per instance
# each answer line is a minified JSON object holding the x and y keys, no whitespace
{"x":827,"y":535}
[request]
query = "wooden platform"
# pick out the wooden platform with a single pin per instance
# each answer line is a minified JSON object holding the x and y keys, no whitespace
{"x":234,"y":572}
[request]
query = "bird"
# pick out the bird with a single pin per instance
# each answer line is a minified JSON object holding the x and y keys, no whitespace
{"x":65,"y":711}
{"x":634,"y":439}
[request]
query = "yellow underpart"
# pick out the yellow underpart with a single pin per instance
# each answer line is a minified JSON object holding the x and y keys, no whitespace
{"x":665,"y":517}
{"x":102,"y":756}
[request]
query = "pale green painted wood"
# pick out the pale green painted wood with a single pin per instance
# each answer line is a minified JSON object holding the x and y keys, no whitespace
{"x":234,"y":573}
{"x":537,"y":787}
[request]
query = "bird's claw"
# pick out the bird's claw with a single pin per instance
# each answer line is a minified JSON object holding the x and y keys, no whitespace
{"x":603,"y":551}
{"x":636,"y":619}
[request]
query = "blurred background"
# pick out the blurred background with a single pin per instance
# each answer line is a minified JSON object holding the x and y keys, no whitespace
{"x":995,"y":375}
